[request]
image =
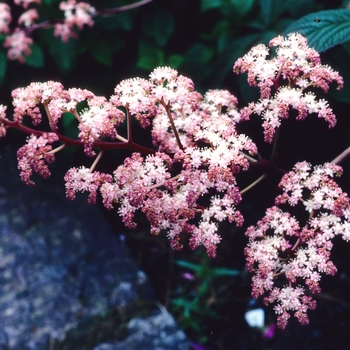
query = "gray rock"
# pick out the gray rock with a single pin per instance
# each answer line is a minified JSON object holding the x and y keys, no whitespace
{"x":65,"y":277}
{"x":159,"y":330}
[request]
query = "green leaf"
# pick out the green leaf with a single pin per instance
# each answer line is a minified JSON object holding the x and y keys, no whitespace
{"x":102,"y":51}
{"x":203,"y":289}
{"x":323,"y":29}
{"x":223,"y":65}
{"x":150,"y":56}
{"x":226,"y":272}
{"x":210,"y":272}
{"x":123,"y":21}
{"x":159,"y":25}
{"x":175,"y":61}
{"x":36,"y":58}
{"x":300,"y":8}
{"x":189,"y":265}
{"x":69,"y":124}
{"x":3,"y":65}
{"x":243,"y":6}
{"x":64,"y":54}
{"x":197,"y":58}
{"x":266,"y":11}
{"x":207,"y":5}
{"x":49,"y":2}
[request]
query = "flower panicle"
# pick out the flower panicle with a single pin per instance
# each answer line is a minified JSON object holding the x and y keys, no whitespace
{"x":284,"y":80}
{"x":187,"y":184}
{"x":280,"y":249}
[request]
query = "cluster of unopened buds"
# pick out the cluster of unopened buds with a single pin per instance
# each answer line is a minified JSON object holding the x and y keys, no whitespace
{"x":186,"y":184}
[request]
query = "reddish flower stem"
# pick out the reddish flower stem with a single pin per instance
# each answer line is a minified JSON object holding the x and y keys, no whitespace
{"x":103,"y":12}
{"x":103,"y":145}
{"x":341,"y":157}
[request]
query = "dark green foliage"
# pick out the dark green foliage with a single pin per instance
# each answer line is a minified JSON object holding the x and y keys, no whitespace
{"x":3,"y":65}
{"x":36,"y":59}
{"x":324,"y":29}
{"x":199,"y":38}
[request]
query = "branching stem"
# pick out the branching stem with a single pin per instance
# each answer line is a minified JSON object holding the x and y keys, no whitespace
{"x":93,"y":166}
{"x":167,"y":108}
{"x":262,"y":177}
{"x":342,"y":156}
{"x":103,"y":145}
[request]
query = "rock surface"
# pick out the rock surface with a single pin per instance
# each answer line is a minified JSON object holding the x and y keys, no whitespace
{"x":66,"y":280}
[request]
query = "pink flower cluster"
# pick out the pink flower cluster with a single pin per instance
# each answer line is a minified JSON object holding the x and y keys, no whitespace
{"x":279,"y":248}
{"x":3,"y":127}
{"x":181,"y":188}
{"x":26,"y":3}
{"x":18,"y":42}
{"x":100,"y":119}
{"x":170,"y":202}
{"x":18,"y":45}
{"x":76,"y":15}
{"x":136,"y":96}
{"x":83,"y":180}
{"x":187,"y":184}
{"x":293,"y":69}
{"x":5,"y":18}
{"x":35,"y":156}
